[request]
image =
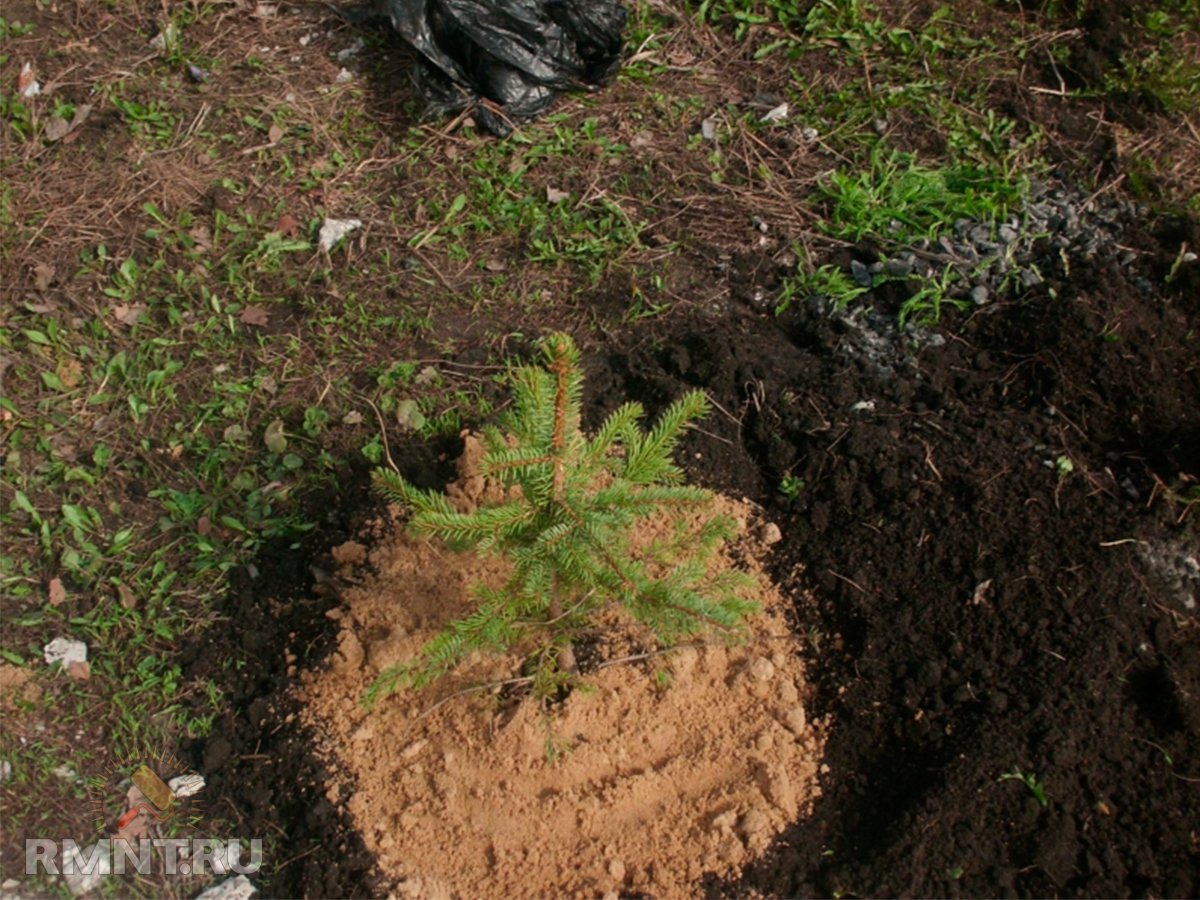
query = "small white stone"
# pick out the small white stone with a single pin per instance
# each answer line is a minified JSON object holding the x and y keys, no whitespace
{"x":761,"y":669}
{"x":770,"y":534}
{"x":237,"y":888}
{"x":778,"y":114}
{"x":333,"y":230}
{"x":66,"y":651}
{"x":186,"y":785}
{"x":796,"y":721}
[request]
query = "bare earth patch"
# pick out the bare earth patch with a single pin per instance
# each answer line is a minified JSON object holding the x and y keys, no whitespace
{"x":665,"y":768}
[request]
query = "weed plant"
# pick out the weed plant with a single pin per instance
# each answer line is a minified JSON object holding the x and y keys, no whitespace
{"x":896,"y":198}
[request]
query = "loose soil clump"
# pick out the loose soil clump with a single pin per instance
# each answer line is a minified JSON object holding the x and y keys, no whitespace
{"x":664,"y":768}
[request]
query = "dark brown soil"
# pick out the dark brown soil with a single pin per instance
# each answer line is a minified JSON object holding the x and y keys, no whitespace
{"x":980,"y":614}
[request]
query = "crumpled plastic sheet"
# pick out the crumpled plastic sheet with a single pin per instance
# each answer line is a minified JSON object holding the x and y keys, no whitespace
{"x":517,"y":54}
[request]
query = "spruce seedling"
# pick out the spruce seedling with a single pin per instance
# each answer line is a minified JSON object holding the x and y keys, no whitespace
{"x":565,"y":526}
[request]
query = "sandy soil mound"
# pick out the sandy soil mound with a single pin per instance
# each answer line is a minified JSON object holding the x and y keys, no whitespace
{"x":669,"y":767}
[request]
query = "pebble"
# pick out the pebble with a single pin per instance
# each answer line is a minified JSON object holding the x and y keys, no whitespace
{"x":770,"y":534}
{"x":761,"y":669}
{"x":796,"y":721}
{"x":236,"y":888}
{"x":65,"y":650}
{"x":788,"y":693}
{"x":979,"y":294}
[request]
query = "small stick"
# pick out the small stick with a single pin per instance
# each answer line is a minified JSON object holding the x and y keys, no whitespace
{"x":387,"y":451}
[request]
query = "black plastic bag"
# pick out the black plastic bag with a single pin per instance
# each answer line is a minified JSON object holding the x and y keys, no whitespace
{"x":518,"y":54}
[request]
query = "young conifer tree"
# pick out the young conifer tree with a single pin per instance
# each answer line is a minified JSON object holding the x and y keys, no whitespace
{"x":567,"y":531}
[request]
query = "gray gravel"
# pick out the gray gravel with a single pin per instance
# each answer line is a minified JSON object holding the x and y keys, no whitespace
{"x":1059,"y":226}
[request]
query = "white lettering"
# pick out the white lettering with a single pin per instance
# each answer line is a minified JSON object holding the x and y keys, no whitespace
{"x":44,"y":851}
{"x":98,"y":859}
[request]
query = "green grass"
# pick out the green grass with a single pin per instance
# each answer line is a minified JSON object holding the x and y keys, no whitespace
{"x":896,"y":199}
{"x":827,"y":282}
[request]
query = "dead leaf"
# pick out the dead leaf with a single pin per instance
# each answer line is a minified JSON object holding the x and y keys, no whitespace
{"x":254,"y":315}
{"x":79,"y":669}
{"x":204,"y":526}
{"x":128,"y":313}
{"x":43,"y":277}
{"x":495,"y":265}
{"x":554,"y":195}
{"x":56,"y":129}
{"x":70,"y":373}
{"x":82,"y":111}
{"x":58,"y":593}
{"x":274,"y":437}
{"x":126,"y":596}
{"x":981,"y":592}
{"x":202,"y":236}
{"x":274,"y":134}
{"x":288,"y":226}
{"x":268,"y":384}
